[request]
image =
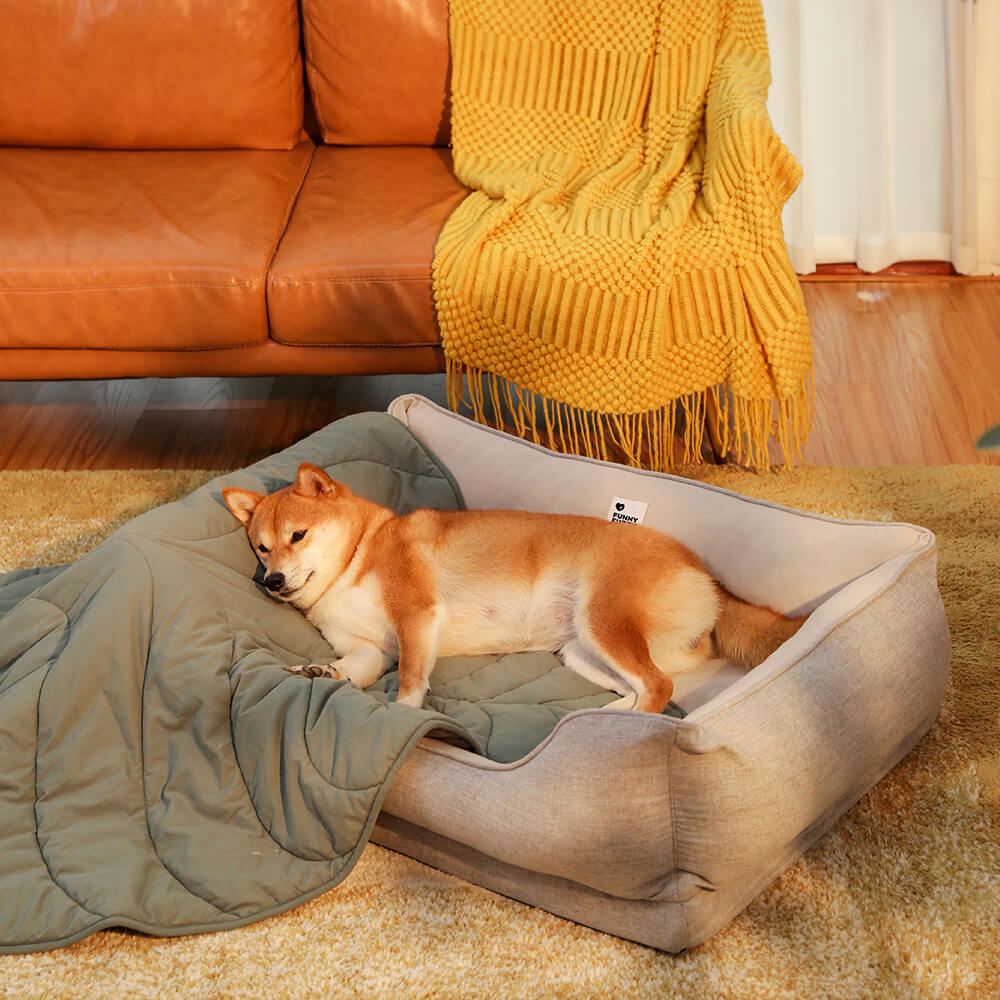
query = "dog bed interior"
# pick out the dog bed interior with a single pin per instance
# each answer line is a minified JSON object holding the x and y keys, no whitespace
{"x":662,"y":829}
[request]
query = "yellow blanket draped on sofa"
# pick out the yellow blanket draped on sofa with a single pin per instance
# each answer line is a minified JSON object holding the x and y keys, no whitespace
{"x":620,"y":261}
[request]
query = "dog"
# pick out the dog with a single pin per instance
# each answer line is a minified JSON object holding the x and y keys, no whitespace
{"x":624,"y":605}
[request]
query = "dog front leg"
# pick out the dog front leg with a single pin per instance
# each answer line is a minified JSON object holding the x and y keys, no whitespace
{"x":362,"y":664}
{"x":419,"y":636}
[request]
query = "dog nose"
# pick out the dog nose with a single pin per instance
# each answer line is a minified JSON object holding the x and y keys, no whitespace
{"x":275,"y":581}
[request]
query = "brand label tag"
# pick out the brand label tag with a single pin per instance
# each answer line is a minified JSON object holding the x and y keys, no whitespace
{"x":627,"y":511}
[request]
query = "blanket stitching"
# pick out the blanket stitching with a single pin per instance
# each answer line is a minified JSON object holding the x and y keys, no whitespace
{"x":34,"y":806}
{"x":236,"y":760}
{"x":322,"y":776}
{"x":508,"y":691}
{"x":479,"y":670}
{"x":489,"y":735}
{"x":566,"y":701}
{"x":10,"y":685}
{"x":142,"y":746}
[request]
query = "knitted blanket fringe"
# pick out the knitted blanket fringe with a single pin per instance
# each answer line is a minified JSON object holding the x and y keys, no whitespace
{"x":617,"y":278}
{"x":676,"y":433}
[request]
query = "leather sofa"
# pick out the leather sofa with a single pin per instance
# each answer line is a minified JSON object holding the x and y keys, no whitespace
{"x":164,"y":210}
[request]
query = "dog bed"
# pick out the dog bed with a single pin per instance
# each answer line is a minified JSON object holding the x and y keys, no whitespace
{"x":162,"y":771}
{"x":661,"y":829}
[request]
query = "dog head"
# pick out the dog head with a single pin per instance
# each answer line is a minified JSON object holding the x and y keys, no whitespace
{"x":303,"y":534}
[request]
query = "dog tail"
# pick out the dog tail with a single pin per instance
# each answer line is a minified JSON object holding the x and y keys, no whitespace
{"x":748,"y":634}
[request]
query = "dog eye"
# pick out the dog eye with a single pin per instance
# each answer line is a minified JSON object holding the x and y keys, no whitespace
{"x":263,"y":548}
{"x":297,"y":536}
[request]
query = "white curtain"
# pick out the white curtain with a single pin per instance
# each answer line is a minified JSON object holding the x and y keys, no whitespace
{"x":987,"y":132}
{"x":889,"y":105}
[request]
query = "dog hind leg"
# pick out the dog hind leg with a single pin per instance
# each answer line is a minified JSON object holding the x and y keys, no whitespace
{"x":582,"y":660}
{"x":616,"y":637}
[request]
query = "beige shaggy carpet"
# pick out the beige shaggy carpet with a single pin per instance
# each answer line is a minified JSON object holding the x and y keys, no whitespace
{"x":900,"y":899}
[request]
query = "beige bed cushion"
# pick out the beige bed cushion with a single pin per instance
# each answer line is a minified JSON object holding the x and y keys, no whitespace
{"x":659,"y":829}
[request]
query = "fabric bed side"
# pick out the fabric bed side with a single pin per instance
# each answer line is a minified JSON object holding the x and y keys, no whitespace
{"x":566,"y":801}
{"x":657,"y":922}
{"x":719,"y":804}
{"x":760,"y":778}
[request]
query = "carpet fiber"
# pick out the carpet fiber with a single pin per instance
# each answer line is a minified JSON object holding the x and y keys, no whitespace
{"x":900,"y":899}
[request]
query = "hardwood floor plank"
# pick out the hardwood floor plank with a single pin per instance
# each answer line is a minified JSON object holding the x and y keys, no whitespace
{"x":91,"y":430}
{"x":211,"y":393}
{"x":907,"y":372}
{"x":895,"y":298}
{"x":848,"y":420}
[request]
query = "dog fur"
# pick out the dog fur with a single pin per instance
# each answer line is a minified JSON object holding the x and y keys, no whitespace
{"x":608,"y":597}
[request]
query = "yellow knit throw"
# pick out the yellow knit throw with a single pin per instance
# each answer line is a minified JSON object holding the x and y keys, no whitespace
{"x":619,"y":261}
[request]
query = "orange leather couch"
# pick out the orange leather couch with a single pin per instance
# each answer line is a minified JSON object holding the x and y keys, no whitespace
{"x":164,"y":212}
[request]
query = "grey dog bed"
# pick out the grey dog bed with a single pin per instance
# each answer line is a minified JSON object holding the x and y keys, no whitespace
{"x":661,"y":829}
{"x":163,"y":772}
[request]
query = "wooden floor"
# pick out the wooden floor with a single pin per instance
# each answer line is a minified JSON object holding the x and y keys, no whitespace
{"x":907,"y":373}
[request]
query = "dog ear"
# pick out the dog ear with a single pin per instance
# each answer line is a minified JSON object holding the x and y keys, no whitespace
{"x":242,"y":502}
{"x":313,"y":481}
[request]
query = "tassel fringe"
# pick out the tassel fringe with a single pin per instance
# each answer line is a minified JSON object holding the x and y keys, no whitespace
{"x":754,"y":432}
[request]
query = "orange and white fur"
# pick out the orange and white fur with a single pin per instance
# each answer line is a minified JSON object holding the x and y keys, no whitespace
{"x":624,"y":605}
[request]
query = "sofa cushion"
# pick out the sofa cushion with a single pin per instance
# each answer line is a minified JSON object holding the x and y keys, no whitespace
{"x":112,"y":250}
{"x":378,"y":70}
{"x":150,"y":74}
{"x":354,"y":266}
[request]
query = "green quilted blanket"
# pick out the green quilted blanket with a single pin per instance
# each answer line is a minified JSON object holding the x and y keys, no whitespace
{"x":160,"y":770}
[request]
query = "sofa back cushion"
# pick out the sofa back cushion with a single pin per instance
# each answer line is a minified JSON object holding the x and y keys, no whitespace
{"x":140,"y":74}
{"x":378,"y":70}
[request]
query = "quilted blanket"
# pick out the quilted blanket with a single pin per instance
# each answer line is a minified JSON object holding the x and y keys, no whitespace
{"x":161,"y":770}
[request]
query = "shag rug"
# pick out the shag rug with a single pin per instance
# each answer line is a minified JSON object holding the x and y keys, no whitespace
{"x":901,"y":899}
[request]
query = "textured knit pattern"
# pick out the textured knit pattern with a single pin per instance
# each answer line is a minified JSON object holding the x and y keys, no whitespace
{"x":621,"y":254}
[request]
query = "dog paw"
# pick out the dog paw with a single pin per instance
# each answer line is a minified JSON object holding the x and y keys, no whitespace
{"x":317,"y":670}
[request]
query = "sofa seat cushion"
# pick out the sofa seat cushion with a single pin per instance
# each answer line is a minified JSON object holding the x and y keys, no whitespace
{"x":354,"y":267}
{"x":140,"y":250}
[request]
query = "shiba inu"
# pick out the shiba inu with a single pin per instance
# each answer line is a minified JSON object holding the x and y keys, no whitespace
{"x":623,"y":605}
